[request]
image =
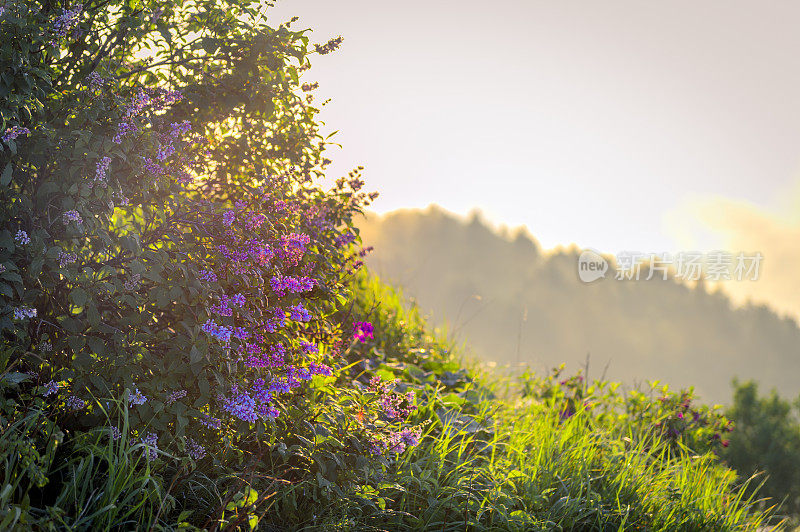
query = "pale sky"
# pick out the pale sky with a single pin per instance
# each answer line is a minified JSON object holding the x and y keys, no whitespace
{"x":600,"y":123}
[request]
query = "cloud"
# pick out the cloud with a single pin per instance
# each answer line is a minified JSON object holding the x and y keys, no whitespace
{"x":742,"y":226}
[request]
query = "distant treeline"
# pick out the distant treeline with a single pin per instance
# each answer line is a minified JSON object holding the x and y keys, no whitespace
{"x":516,"y":304}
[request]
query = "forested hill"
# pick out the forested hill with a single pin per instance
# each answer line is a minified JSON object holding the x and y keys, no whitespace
{"x":516,"y":304}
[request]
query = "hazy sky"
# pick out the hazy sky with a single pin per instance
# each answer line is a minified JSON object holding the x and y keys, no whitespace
{"x":601,"y":123}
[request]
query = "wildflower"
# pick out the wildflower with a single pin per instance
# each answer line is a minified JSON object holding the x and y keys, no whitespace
{"x":308,"y":347}
{"x":101,"y":171}
{"x":207,"y":275}
{"x":72,"y":216}
{"x":21,"y":313}
{"x":362,"y":330}
{"x":66,"y":258}
{"x":228,"y":217}
{"x":75,"y":403}
{"x":13,"y":132}
{"x":115,"y":433}
{"x":136,"y":399}
{"x":64,"y":23}
{"x":240,"y":405}
{"x":299,"y":313}
{"x":210,"y":422}
{"x":174,"y":396}
{"x":220,"y":332}
{"x":150,"y":441}
{"x":2,"y":268}
{"x":50,"y":388}
{"x":95,"y":80}
{"x":194,"y":449}
{"x":330,"y":46}
{"x":22,"y":238}
{"x":46,"y":347}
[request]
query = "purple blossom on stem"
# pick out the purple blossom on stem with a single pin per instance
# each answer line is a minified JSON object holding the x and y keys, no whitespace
{"x":299,"y":313}
{"x":137,"y":398}
{"x":72,"y":216}
{"x":22,"y":238}
{"x":75,"y":403}
{"x":194,"y":449}
{"x":66,"y":258}
{"x":22,"y":312}
{"x":50,"y":388}
{"x":150,"y":443}
{"x":13,"y":132}
{"x":362,"y":330}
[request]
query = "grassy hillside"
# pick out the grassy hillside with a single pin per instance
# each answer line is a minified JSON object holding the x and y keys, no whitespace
{"x":546,"y":452}
{"x":517,"y":305}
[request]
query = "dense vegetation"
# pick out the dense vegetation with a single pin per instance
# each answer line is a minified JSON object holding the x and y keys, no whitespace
{"x":516,"y":304}
{"x":188,"y":340}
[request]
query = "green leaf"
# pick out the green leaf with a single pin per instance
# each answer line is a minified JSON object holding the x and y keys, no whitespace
{"x":5,"y":178}
{"x":78,"y":296}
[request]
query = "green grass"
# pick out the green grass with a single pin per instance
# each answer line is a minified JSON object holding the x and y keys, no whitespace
{"x":491,"y":460}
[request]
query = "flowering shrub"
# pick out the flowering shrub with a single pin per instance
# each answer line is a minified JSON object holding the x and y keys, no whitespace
{"x":163,"y":238}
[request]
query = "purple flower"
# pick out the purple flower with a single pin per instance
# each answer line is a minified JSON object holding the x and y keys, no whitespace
{"x":228,"y":218}
{"x":194,"y":449}
{"x":64,"y":23}
{"x":66,"y":258}
{"x":299,"y":313}
{"x":174,"y":396}
{"x":220,"y":332}
{"x":208,"y":275}
{"x":362,"y":330}
{"x":115,"y":433}
{"x":50,"y":388}
{"x":75,"y":403}
{"x":101,"y":171}
{"x":240,"y":405}
{"x":309,"y":348}
{"x":22,"y":238}
{"x":13,"y":132}
{"x":210,"y":422}
{"x":72,"y":216}
{"x":21,"y":313}
{"x":136,"y":399}
{"x":150,"y":443}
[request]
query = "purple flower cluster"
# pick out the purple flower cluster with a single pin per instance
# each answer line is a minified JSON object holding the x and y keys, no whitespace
{"x":22,"y":238}
{"x":13,"y":132}
{"x":150,"y":445}
{"x":22,"y":313}
{"x":220,"y":332}
{"x":208,"y":275}
{"x":274,"y":356}
{"x":75,"y":403}
{"x":101,"y":172}
{"x":299,"y":313}
{"x":65,"y":258}
{"x":194,"y":449}
{"x":72,"y":216}
{"x":395,"y":406}
{"x":174,"y":396}
{"x":396,"y":442}
{"x":64,"y":23}
{"x":362,"y":331}
{"x":137,"y":398}
{"x":290,"y":284}
{"x":50,"y":388}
